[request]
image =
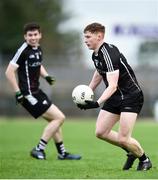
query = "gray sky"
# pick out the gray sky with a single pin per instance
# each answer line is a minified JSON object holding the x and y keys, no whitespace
{"x":110,"y":13}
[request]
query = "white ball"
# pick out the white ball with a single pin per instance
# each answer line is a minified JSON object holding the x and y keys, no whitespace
{"x":81,"y":93}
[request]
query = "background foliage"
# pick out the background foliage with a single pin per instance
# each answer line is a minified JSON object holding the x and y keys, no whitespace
{"x":49,"y":14}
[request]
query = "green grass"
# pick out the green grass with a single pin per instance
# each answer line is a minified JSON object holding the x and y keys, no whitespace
{"x":99,"y":159}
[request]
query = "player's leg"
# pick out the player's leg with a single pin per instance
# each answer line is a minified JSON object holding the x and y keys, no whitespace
{"x":58,"y":139}
{"x":55,"y":119}
{"x":127,"y":122}
{"x":106,"y":120}
{"x":130,"y":156}
{"x":63,"y":154}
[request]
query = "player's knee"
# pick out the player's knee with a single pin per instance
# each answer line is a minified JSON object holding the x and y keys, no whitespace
{"x":102,"y":133}
{"x":62,"y":118}
{"x":99,"y":133}
{"x":123,"y":141}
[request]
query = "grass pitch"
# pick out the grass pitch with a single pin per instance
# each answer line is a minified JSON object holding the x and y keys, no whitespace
{"x":99,"y":159}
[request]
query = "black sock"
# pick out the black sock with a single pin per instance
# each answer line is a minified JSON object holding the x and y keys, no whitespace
{"x":60,"y":148}
{"x":125,"y":150}
{"x":41,"y":145}
{"x":143,"y":157}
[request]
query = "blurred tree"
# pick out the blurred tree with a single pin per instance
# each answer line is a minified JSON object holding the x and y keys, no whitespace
{"x":48,"y":13}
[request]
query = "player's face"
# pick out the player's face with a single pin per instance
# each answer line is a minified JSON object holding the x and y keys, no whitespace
{"x":33,"y":38}
{"x":92,"y":40}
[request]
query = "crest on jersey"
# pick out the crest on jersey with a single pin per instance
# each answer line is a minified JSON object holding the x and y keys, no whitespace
{"x":45,"y":102}
{"x":32,"y":56}
{"x":110,"y":45}
{"x":96,"y":62}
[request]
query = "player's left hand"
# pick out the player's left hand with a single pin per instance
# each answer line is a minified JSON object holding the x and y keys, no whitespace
{"x":19,"y":97}
{"x":50,"y":79}
{"x":88,"y":105}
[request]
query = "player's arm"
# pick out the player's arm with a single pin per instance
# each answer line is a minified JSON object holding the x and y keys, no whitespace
{"x":43,"y":72}
{"x":50,"y":79}
{"x":96,"y":79}
{"x":112,"y":78}
{"x":11,"y":76}
{"x":112,"y":74}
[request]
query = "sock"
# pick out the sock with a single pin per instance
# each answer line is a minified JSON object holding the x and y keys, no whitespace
{"x":60,"y":148}
{"x":125,"y":150}
{"x":143,"y":157}
{"x":41,"y":145}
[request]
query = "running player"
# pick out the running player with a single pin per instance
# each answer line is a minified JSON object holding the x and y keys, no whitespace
{"x":122,"y":99}
{"x":27,"y":64}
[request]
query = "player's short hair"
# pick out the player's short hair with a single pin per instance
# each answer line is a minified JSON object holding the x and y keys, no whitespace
{"x":31,"y":27}
{"x":94,"y":28}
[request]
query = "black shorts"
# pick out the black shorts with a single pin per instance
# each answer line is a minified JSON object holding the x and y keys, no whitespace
{"x":40,"y":107}
{"x":130,"y":103}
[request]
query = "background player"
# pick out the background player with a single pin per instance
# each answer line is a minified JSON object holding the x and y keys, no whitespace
{"x":123,"y":97}
{"x":27,"y":62}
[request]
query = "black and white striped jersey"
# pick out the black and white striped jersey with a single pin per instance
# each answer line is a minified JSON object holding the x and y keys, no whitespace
{"x":109,"y":59}
{"x":28,"y":60}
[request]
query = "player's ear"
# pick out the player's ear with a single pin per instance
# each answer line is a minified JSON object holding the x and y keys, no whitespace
{"x":100,"y":36}
{"x":40,"y":35}
{"x":25,"y":36}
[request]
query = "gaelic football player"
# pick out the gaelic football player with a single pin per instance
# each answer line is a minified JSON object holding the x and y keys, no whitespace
{"x":122,"y":98}
{"x":27,"y":64}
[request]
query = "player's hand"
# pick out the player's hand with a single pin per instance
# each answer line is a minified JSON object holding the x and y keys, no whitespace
{"x":50,"y":79}
{"x":88,"y":105}
{"x":19,"y":97}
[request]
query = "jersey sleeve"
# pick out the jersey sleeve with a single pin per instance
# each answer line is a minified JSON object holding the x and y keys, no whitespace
{"x":16,"y":60}
{"x":18,"y":57}
{"x":111,"y":58}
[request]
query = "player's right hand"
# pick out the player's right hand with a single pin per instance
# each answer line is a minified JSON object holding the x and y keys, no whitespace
{"x":19,"y":97}
{"x":88,"y":105}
